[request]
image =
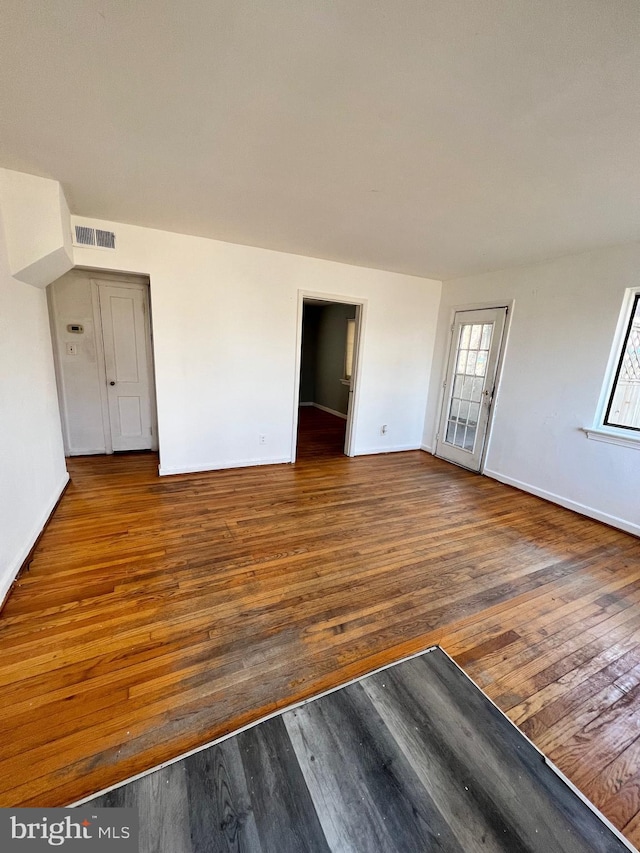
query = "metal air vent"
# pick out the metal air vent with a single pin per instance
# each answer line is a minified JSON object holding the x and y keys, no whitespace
{"x":105,"y":239}
{"x":86,"y":236}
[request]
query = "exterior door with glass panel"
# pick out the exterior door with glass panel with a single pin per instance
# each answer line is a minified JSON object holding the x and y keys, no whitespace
{"x":469,"y":385}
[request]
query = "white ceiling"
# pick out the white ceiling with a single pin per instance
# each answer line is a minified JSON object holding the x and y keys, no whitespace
{"x":434,"y":137}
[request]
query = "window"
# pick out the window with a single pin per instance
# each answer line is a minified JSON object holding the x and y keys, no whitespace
{"x":348,"y":352}
{"x":618,"y":416}
{"x":623,"y":406}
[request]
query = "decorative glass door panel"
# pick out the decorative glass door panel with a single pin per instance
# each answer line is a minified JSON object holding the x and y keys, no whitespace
{"x":473,"y":360}
{"x":468,"y":384}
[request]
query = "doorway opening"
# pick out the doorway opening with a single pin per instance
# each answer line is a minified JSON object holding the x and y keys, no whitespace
{"x":102,"y":343}
{"x":329,"y":334}
{"x":470,"y":385}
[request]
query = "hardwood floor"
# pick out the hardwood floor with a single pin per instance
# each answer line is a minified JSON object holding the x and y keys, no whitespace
{"x":320,"y":434}
{"x":413,"y":758}
{"x":161,"y":613}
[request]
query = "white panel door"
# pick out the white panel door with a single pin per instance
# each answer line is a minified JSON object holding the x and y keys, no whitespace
{"x":125,"y":314}
{"x":469,"y":386}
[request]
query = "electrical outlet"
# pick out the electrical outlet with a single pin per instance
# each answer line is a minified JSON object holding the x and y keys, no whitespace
{"x":383,"y":429}
{"x":262,"y":439}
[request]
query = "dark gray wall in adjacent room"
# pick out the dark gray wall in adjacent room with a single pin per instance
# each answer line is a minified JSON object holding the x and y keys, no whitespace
{"x":324,"y":336}
{"x":332,"y":338}
{"x":310,"y":321}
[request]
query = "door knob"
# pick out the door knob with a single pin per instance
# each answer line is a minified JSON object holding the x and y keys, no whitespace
{"x":112,"y":383}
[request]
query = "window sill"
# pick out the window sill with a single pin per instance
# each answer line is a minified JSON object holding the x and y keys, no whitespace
{"x":611,"y":437}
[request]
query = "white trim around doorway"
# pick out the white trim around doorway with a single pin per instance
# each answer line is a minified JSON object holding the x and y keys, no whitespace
{"x":352,"y":417}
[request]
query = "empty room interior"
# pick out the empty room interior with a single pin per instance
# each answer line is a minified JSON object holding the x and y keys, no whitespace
{"x":320,"y":347}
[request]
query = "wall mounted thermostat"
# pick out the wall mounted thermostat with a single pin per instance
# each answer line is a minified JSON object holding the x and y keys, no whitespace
{"x":75,"y":327}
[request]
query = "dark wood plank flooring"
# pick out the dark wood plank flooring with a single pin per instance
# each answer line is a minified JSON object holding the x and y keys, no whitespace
{"x":409,"y":759}
{"x":320,"y":434}
{"x":162,"y":613}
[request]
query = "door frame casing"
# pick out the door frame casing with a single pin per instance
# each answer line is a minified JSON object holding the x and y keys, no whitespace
{"x":354,"y":405}
{"x":509,"y":304}
{"x":122,"y":279}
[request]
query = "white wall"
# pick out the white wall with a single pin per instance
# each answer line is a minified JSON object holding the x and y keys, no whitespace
{"x":79,"y":376}
{"x":561,"y":332}
{"x":32,"y":466}
{"x":225,"y":328}
{"x":37,"y":227}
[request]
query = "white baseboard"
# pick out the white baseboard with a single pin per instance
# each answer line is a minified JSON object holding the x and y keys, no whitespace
{"x":306,"y":404}
{"x":221,"y":466}
{"x":330,"y":411}
{"x":590,"y":512}
{"x":397,"y":448}
{"x":9,"y":575}
{"x":427,"y":448}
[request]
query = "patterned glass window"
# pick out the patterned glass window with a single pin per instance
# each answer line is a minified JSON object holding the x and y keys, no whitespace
{"x":348,"y":352}
{"x":623,"y":409}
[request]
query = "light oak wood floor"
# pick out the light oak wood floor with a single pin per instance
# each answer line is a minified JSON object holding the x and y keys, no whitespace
{"x":161,"y":613}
